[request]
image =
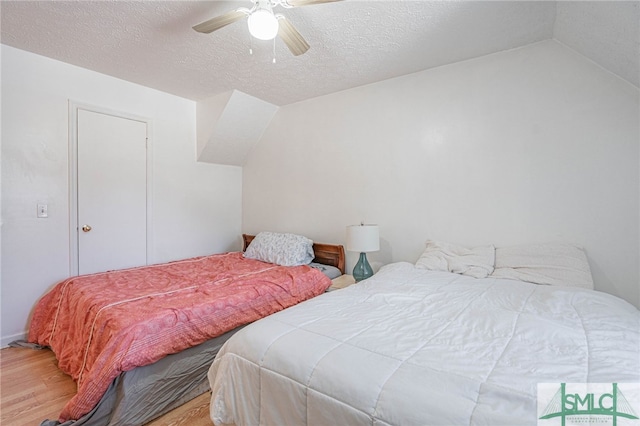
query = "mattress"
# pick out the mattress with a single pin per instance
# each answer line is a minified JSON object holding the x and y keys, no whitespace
{"x":101,"y":325}
{"x":412,"y":347}
{"x":140,"y":395}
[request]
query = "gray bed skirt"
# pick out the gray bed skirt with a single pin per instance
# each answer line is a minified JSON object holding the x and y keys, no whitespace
{"x":138,"y":396}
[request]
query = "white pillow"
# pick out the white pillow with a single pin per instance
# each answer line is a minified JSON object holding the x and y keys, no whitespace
{"x":476,"y":262}
{"x":281,"y":249}
{"x":550,"y":263}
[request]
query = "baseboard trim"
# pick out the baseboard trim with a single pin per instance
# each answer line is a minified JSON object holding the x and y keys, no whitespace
{"x":5,"y":340}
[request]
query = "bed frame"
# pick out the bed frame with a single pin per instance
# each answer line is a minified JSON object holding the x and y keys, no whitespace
{"x":327,"y":254}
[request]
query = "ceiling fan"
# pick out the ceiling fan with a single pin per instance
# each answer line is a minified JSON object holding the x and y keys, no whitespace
{"x":263,"y":23}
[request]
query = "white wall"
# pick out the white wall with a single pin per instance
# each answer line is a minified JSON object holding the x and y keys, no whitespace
{"x":530,"y":145}
{"x":196,"y":206}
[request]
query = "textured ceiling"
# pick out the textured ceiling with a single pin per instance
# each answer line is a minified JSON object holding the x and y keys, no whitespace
{"x":352,"y":42}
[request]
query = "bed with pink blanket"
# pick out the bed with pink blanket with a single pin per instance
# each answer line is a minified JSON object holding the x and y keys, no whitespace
{"x":102,"y":325}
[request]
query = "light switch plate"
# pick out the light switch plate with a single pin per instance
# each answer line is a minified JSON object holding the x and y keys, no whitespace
{"x":43,"y":210}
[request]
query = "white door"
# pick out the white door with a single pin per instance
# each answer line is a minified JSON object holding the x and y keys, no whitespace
{"x":112,"y":191}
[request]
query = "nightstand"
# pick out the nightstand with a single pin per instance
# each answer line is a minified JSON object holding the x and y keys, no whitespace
{"x":341,"y":282}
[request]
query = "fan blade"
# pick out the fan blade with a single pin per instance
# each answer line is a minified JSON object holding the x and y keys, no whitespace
{"x":297,"y":3}
{"x":291,"y":37}
{"x":220,"y":21}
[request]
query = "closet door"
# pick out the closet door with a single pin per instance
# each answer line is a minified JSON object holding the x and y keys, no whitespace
{"x":112,"y":192}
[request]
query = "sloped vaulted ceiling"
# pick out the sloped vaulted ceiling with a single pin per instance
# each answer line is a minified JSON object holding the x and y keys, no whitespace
{"x":352,"y":42}
{"x":229,"y":125}
{"x":606,"y":32}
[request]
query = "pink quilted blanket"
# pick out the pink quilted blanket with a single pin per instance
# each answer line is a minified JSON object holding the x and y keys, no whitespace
{"x":103,"y":324}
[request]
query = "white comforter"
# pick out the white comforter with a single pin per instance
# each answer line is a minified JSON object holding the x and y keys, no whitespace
{"x":414,"y":347}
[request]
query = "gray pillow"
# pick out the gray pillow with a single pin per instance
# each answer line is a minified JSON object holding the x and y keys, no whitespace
{"x":281,"y":249}
{"x":330,"y":271}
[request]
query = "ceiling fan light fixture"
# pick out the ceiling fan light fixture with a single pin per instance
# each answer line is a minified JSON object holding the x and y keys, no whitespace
{"x":263,"y":25}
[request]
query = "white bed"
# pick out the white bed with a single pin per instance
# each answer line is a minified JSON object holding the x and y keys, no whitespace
{"x":412,"y":347}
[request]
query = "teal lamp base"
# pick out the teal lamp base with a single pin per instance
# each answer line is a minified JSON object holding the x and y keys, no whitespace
{"x":362,"y":269}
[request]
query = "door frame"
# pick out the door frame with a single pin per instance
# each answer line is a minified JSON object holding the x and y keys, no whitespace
{"x":73,"y":177}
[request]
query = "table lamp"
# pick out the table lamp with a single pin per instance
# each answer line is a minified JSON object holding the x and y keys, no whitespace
{"x":363,"y":238}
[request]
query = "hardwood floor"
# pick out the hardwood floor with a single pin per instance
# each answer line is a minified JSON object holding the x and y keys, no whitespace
{"x":32,"y":389}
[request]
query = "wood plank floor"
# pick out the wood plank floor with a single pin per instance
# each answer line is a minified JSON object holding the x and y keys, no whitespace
{"x":32,"y":389}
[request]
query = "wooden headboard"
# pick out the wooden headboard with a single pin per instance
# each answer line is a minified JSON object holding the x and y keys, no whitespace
{"x":327,"y":254}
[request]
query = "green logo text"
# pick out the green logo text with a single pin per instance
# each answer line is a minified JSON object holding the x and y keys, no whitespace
{"x":564,"y":404}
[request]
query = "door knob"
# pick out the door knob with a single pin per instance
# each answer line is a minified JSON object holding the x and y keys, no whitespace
{"x":86,"y":228}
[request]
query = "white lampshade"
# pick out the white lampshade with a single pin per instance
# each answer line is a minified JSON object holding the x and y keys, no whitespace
{"x":363,"y":238}
{"x":263,"y":24}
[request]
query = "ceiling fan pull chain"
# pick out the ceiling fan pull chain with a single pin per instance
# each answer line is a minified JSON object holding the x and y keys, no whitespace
{"x":250,"y":45}
{"x":274,"y":50}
